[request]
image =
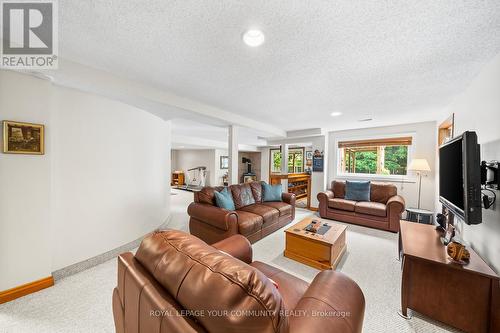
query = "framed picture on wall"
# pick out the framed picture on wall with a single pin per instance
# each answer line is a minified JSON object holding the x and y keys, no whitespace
{"x":224,"y":162}
{"x":23,"y":138}
{"x":309,"y":155}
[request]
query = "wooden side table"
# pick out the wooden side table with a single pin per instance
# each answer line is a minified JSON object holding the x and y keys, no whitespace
{"x":463,"y":296}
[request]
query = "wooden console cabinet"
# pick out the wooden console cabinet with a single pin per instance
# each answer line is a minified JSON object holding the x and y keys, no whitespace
{"x":462,"y":296}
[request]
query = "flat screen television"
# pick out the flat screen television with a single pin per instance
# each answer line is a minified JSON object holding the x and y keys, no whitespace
{"x":460,"y":177}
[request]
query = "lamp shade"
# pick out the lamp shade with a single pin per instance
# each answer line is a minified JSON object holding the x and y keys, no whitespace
{"x":419,"y":164}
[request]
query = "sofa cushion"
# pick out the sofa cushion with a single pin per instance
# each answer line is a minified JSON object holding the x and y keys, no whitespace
{"x":342,"y":204}
{"x":249,"y":223}
{"x":256,"y":191}
{"x":357,"y":190}
{"x":179,"y":261}
{"x":206,"y":195}
{"x":271,"y":193}
{"x":290,"y":287}
{"x":269,"y":214}
{"x":338,"y":188}
{"x":381,"y":192}
{"x":224,"y":199}
{"x":242,"y":195}
{"x":282,"y":207}
{"x":371,"y":208}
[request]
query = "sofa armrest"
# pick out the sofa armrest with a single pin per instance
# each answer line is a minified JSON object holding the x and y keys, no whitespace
{"x":396,"y":203}
{"x":325,"y":196}
{"x":332,"y":303}
{"x":215,"y":216}
{"x":238,"y":246}
{"x":395,"y":207}
{"x":288,"y":198}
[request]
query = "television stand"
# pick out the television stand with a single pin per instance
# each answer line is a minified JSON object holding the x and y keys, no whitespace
{"x":463,"y":296}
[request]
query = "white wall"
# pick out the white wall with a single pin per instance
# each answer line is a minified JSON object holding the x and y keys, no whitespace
{"x":111,"y":167}
{"x":424,"y":146}
{"x":191,"y":158}
{"x":103,"y":182}
{"x":478,"y":109}
{"x":25,"y":253}
{"x":219,"y":173}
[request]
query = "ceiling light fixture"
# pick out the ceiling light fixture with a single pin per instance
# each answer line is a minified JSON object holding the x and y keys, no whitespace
{"x":253,"y":37}
{"x":336,"y":114}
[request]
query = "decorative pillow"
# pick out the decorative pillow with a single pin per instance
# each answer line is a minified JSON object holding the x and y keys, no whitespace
{"x":357,"y":190}
{"x":224,"y":199}
{"x":271,"y":192}
{"x":246,"y":195}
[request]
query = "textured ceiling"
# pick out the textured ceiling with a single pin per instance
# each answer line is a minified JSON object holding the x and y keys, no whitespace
{"x":393,"y":60}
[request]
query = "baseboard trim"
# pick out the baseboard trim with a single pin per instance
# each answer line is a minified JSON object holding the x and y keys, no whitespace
{"x":314,"y":209}
{"x":26,"y":289}
{"x":101,"y":258}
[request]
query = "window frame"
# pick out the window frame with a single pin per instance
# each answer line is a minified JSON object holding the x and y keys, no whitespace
{"x":272,"y":150}
{"x":344,"y":175}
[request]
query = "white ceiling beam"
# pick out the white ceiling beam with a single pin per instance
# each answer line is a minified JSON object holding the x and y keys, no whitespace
{"x":159,"y":102}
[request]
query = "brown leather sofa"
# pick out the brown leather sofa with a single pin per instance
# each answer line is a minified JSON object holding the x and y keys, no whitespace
{"x":254,"y":221}
{"x":383,"y":211}
{"x":178,"y":283}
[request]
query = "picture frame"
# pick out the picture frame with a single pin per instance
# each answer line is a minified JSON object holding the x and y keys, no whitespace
{"x":309,"y":155}
{"x":23,"y":138}
{"x":224,"y":162}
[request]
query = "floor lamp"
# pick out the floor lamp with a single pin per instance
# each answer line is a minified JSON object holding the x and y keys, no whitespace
{"x":419,"y":165}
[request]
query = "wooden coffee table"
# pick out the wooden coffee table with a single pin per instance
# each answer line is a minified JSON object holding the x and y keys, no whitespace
{"x":319,"y":251}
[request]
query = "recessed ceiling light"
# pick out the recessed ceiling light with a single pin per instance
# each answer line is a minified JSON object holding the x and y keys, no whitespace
{"x":336,"y":114}
{"x":253,"y":37}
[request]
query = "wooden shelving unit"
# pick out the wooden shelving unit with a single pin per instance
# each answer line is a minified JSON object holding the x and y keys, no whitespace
{"x":177,"y":178}
{"x":298,"y":183}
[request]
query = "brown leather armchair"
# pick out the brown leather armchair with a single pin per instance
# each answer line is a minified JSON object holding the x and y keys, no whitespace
{"x":253,"y":217}
{"x":178,"y":283}
{"x":383,"y":211}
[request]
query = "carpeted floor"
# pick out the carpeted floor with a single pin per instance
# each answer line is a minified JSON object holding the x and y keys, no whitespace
{"x":82,"y":302}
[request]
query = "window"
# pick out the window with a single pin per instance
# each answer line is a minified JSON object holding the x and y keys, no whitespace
{"x":275,"y":160}
{"x":295,"y":160}
{"x":377,"y":156}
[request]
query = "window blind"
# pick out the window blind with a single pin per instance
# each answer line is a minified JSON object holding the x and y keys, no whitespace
{"x":402,"y":141}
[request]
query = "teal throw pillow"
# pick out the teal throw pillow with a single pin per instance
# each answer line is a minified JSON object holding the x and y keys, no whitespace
{"x":271,"y":192}
{"x":224,"y":199}
{"x":357,"y":190}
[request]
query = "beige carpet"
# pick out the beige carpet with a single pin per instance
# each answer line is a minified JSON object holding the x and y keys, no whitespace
{"x":82,"y":302}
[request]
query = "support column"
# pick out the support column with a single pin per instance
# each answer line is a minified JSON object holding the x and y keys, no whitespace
{"x":233,"y":155}
{"x":284,"y":166}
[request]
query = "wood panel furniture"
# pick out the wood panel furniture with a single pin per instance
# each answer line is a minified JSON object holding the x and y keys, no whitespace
{"x":26,"y":289}
{"x":298,"y":184}
{"x":177,"y":178}
{"x":318,"y":251}
{"x":465,"y":297}
{"x":446,"y":130}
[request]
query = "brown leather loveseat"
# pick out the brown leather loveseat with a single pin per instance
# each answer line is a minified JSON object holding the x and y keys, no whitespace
{"x":252,"y":218}
{"x":383,"y":211}
{"x":176,"y":283}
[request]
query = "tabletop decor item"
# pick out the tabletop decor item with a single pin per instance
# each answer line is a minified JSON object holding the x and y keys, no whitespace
{"x":458,"y":252}
{"x":23,"y":138}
